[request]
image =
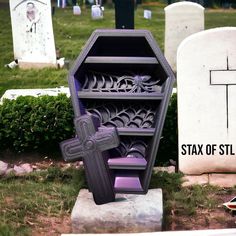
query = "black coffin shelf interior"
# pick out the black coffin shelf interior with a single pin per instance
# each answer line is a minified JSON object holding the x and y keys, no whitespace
{"x":120,"y":88}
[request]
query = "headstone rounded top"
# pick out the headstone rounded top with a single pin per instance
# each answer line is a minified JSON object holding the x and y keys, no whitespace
{"x":183,"y":4}
{"x":196,"y":36}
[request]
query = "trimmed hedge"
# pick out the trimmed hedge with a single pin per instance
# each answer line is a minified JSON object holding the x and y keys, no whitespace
{"x":29,"y":123}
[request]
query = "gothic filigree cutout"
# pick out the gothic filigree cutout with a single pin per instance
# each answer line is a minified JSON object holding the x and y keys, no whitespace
{"x":101,"y":82}
{"x":131,"y":148}
{"x":123,"y":115}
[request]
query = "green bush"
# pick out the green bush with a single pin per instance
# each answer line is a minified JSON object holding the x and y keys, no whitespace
{"x":35,"y":123}
{"x":30,"y":123}
{"x":168,"y":148}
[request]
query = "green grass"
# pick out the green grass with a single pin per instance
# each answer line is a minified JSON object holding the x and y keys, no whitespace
{"x":71,"y":32}
{"x":23,"y":200}
{"x":183,"y":201}
{"x":52,"y":193}
{"x":186,"y":202}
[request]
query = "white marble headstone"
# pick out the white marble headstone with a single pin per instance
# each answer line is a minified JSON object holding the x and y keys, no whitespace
{"x":15,"y":93}
{"x":181,"y":20}
{"x":76,"y":10}
{"x":147,"y":14}
{"x":206,"y":75}
{"x":32,"y":31}
{"x":96,"y":12}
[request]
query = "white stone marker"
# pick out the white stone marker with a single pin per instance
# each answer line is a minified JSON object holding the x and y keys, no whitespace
{"x":147,"y":14}
{"x":76,"y":10}
{"x":33,"y":39}
{"x":15,"y":93}
{"x":206,"y":75}
{"x":181,"y":20}
{"x":96,"y":12}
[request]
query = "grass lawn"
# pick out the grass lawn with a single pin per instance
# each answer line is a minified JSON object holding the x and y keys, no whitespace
{"x":71,"y":32}
{"x":40,"y":203}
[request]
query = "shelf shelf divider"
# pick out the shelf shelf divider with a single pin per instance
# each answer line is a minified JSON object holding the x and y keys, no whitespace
{"x":120,"y":95}
{"x":127,"y":163}
{"x":121,"y":60}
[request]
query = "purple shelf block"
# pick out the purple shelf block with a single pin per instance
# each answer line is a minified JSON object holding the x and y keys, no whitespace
{"x":127,"y":163}
{"x":128,"y":183}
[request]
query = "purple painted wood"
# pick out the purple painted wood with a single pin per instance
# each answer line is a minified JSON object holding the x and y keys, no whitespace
{"x":127,"y":182}
{"x":127,"y":163}
{"x":91,"y":145}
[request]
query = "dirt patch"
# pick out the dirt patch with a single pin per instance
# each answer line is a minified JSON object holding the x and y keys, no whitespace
{"x":204,"y":219}
{"x":37,"y":160}
{"x":30,"y":157}
{"x":216,"y":218}
{"x":52,"y":226}
{"x":9,"y":201}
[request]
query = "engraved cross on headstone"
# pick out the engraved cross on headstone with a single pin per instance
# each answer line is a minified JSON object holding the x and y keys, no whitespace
{"x":90,"y":145}
{"x":224,"y":77}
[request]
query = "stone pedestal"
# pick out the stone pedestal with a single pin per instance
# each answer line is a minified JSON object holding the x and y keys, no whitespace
{"x":128,"y":214}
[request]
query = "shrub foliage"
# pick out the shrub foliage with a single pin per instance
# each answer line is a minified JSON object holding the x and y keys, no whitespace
{"x":168,"y":148}
{"x":30,"y":123}
{"x":35,"y":123}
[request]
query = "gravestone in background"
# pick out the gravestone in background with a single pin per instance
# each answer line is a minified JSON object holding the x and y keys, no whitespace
{"x":33,"y":39}
{"x":181,"y":20}
{"x":206,"y":75}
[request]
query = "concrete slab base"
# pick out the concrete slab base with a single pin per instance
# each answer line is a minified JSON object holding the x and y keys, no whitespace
{"x":128,"y":214}
{"x":221,"y":180}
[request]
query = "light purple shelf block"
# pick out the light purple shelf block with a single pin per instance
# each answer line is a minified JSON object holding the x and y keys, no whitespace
{"x":127,"y":163}
{"x":127,"y":183}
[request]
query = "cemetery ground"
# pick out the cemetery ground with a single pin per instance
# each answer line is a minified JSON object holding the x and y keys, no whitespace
{"x":71,"y":32}
{"x":40,"y":203}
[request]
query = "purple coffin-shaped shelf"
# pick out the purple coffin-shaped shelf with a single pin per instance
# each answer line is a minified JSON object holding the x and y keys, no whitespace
{"x":127,"y":183}
{"x":122,"y":80}
{"x":129,"y":163}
